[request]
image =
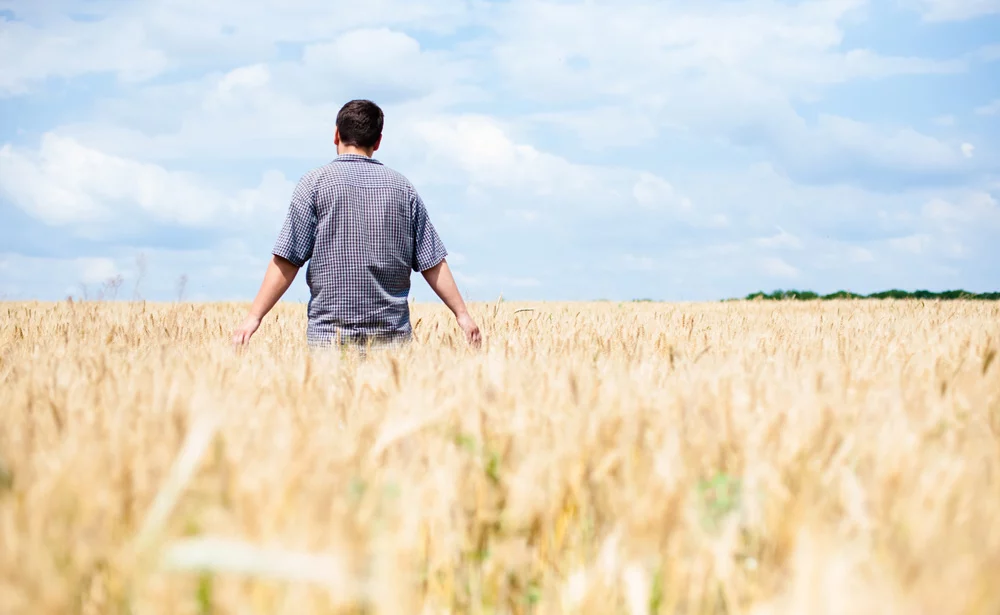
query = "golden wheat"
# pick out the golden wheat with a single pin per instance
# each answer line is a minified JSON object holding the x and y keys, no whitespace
{"x":757,"y":458}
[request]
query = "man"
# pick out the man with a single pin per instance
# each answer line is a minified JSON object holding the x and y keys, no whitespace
{"x":363,"y":228}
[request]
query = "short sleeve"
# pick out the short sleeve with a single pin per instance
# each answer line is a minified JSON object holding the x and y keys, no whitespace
{"x":298,"y":234}
{"x":428,"y":249}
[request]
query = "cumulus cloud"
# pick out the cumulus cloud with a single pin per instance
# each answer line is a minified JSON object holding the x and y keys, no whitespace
{"x":281,"y":109}
{"x":837,"y":148}
{"x":991,"y":108}
{"x":96,"y":270}
{"x":795,"y":46}
{"x":221,"y":271}
{"x":914,"y":244}
{"x":639,"y":263}
{"x":655,"y":192}
{"x":782,"y":240}
{"x":683,"y":145}
{"x":479,"y":154}
{"x":499,"y":281}
{"x":979,"y":209}
{"x":858,"y":255}
{"x":731,"y":71}
{"x":141,"y":42}
{"x":26,"y":277}
{"x":825,"y":233}
{"x":393,"y":67}
{"x":482,"y":151}
{"x":703,"y":72}
{"x":955,"y":10}
{"x":987,"y":53}
{"x":64,"y":50}
{"x":237,"y":85}
{"x":777,"y":267}
{"x":480,"y":147}
{"x":65,"y":183}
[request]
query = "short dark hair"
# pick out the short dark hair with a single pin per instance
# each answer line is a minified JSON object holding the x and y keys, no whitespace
{"x":360,"y":123}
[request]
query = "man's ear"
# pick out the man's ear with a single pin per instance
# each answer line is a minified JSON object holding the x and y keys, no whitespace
{"x":377,"y":144}
{"x":336,"y":136}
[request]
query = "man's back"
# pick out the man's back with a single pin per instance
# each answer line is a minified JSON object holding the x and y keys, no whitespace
{"x":363,"y":228}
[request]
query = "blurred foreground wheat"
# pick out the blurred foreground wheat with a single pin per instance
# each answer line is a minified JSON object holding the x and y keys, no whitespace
{"x":758,"y":458}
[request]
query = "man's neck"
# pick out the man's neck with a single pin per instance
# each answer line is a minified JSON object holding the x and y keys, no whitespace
{"x":351,"y":149}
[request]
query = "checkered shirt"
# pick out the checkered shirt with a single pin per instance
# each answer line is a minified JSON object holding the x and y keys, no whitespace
{"x":363,"y":228}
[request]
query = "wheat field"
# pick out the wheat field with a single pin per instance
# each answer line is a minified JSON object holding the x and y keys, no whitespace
{"x":597,"y":458}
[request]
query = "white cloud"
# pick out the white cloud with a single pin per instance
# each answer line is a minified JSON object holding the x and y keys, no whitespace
{"x":731,"y":71}
{"x":718,"y":221}
{"x":522,"y":215}
{"x":987,"y":53}
{"x":858,"y":255}
{"x":778,"y":268}
{"x":457,"y":258}
{"x":914,"y":244}
{"x":247,"y":76}
{"x":655,"y":193}
{"x":736,"y":46}
{"x":586,"y":125}
{"x":898,"y":249}
{"x":783,"y":239}
{"x":235,"y":273}
{"x":991,"y":108}
{"x":498,"y":282}
{"x":671,"y":132}
{"x":142,"y":41}
{"x":479,"y":154}
{"x":480,"y":148}
{"x":96,"y":270}
{"x":898,"y":236}
{"x":282,"y":109}
{"x":639,"y":263}
{"x":237,"y":85}
{"x":270,"y":197}
{"x":703,"y":73}
{"x":838,"y":147}
{"x":979,"y":209}
{"x":392,"y":68}
{"x":67,"y":183}
{"x":227,"y":116}
{"x":35,"y":277}
{"x":968,"y":149}
{"x":955,"y":10}
{"x":65,"y":50}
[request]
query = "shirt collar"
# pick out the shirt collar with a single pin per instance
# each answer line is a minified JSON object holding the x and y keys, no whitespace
{"x":351,"y":157}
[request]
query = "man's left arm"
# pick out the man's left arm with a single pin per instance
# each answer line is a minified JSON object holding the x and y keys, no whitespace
{"x":429,"y":258}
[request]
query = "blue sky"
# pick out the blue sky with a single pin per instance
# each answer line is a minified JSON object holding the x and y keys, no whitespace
{"x":566,"y":150}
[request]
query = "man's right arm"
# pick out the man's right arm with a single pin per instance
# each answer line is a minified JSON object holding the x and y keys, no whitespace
{"x":441,"y":281}
{"x":292,"y":249}
{"x":277,"y":278}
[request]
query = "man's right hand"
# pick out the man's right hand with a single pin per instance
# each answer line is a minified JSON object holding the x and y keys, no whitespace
{"x":471,"y":329}
{"x":277,"y":278}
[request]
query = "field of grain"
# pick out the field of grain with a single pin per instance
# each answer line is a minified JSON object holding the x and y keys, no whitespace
{"x":746,"y":457}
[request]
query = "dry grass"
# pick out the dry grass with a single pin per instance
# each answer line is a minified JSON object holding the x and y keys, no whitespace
{"x":749,"y":458}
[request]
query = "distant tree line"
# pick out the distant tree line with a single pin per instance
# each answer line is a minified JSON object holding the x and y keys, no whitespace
{"x":808,"y":295}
